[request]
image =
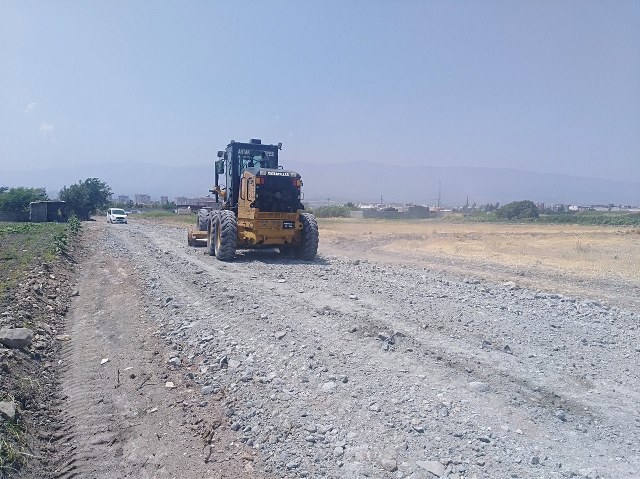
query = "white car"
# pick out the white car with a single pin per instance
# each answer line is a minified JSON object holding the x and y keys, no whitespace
{"x":116,"y":215}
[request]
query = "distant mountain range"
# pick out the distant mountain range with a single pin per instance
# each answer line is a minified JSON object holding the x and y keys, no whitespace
{"x":356,"y":181}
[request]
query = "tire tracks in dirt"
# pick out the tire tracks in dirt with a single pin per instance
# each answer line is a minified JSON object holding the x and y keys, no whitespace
{"x":118,"y":417}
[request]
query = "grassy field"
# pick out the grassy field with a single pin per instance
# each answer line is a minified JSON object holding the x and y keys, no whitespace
{"x":592,"y":218}
{"x":166,"y":217}
{"x":23,"y":244}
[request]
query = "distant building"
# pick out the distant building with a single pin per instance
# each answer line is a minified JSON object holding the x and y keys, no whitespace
{"x":578,"y":208}
{"x":123,"y":199}
{"x":183,"y":201}
{"x":601,"y":207}
{"x":164,"y":200}
{"x":142,"y":199}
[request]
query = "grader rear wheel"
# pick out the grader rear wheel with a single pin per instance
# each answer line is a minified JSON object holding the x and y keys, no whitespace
{"x":308,"y":248}
{"x":211,"y":235}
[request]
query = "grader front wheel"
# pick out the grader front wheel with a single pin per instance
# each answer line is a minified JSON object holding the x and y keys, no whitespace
{"x":226,"y":235}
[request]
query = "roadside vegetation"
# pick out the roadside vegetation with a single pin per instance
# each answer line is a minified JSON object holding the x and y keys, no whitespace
{"x":527,"y":212}
{"x":167,"y":217}
{"x":333,"y":211}
{"x":83,"y":199}
{"x":158,"y":214}
{"x":86,"y":197}
{"x":15,"y":201}
{"x":594,"y":218}
{"x":13,"y":447}
{"x":25,"y":246}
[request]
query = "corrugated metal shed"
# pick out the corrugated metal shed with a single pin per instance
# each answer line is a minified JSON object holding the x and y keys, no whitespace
{"x":46,"y":211}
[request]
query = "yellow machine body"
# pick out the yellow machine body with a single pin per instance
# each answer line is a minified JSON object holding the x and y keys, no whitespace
{"x":258,"y":228}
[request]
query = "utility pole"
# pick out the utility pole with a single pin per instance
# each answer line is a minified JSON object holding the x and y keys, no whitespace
{"x":439,"y":193}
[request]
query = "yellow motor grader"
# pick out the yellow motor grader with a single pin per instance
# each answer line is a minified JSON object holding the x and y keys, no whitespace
{"x":259,"y":206}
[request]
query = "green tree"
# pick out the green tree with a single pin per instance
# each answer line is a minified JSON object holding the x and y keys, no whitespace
{"x":518,"y":210}
{"x":16,"y":200}
{"x":86,"y":197}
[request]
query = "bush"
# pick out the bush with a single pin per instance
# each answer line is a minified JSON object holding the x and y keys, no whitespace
{"x":16,"y":200}
{"x":60,"y":243}
{"x":518,"y":210}
{"x":332,"y":211}
{"x":594,"y":218}
{"x":74,"y":226}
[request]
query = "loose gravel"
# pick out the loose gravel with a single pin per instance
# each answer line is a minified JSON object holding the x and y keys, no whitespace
{"x":345,"y":368}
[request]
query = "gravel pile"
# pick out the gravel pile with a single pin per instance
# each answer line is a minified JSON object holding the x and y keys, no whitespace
{"x":348,"y":369}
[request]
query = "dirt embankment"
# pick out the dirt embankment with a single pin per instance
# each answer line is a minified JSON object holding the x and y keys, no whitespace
{"x":177,"y":365}
{"x":32,"y":333}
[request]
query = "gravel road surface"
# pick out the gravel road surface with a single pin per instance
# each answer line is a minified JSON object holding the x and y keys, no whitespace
{"x":346,"y":368}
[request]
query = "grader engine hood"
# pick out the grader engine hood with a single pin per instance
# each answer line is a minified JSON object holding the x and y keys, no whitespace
{"x":275,"y":190}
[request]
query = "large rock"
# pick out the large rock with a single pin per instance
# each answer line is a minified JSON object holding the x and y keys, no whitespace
{"x":8,"y":410}
{"x":434,"y":467}
{"x":16,"y":338}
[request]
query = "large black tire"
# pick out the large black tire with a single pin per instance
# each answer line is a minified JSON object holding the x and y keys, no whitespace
{"x":308,"y":248}
{"x":226,"y":235}
{"x":211,"y":233}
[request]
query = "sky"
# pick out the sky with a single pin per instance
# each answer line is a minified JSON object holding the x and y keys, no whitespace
{"x":547,"y":86}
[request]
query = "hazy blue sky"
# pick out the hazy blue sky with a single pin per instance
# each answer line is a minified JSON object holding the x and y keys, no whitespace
{"x":549,"y":86}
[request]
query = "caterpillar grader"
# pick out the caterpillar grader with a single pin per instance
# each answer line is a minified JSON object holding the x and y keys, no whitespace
{"x":259,"y":206}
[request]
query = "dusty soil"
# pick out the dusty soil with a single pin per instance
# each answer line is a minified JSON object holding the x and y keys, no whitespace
{"x":119,"y":417}
{"x":374,"y":360}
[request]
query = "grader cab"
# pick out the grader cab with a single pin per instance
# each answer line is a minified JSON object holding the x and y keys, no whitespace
{"x":259,"y":206}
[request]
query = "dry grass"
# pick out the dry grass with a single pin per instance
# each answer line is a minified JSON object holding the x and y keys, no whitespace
{"x":590,"y":252}
{"x":585,"y":251}
{"x":591,"y":261}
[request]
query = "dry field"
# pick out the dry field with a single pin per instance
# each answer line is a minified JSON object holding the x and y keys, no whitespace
{"x":574,"y":259}
{"x":600,"y":262}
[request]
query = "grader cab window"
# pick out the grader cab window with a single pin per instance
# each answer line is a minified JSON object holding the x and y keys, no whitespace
{"x":254,"y":159}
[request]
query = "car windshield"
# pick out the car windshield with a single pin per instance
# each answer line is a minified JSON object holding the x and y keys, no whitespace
{"x":117,"y":212}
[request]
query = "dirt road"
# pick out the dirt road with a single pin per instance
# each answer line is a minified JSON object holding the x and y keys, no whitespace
{"x":339,"y":368}
{"x":126,"y":411}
